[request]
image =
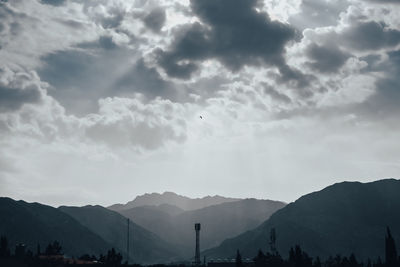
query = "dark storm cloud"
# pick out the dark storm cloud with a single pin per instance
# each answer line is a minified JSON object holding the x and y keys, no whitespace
{"x":71,"y":23}
{"x":296,"y":79}
{"x":53,"y":2}
{"x":146,"y":80}
{"x":155,"y":19}
{"x":12,"y":99}
{"x":190,"y":45}
{"x":235,"y":34}
{"x":385,"y":101}
{"x":275,"y":95}
{"x":66,"y":68}
{"x":102,"y":43}
{"x":370,"y":36}
{"x":114,"y":20}
{"x":385,"y":1}
{"x":79,"y":77}
{"x":20,"y":90}
{"x":373,"y":61}
{"x":106,"y":42}
{"x":99,"y":69}
{"x":327,"y":58}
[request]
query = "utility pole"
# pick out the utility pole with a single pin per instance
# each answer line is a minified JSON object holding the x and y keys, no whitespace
{"x":197,"y":261}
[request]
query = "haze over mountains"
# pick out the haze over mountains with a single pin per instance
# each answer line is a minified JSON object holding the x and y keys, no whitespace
{"x":219,"y":221}
{"x":340,"y":219}
{"x":146,"y":246}
{"x":170,"y":198}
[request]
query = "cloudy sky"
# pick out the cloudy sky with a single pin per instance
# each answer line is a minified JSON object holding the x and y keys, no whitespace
{"x":100,"y":100}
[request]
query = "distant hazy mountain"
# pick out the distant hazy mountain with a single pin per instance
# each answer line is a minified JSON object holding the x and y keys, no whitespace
{"x":163,"y":208}
{"x":33,"y":224}
{"x":182,"y":202}
{"x":340,"y":219}
{"x":218,"y":222}
{"x":145,"y":247}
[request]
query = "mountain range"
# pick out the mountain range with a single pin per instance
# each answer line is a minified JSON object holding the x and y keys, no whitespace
{"x":35,"y":224}
{"x":145,"y":246}
{"x":161,"y":233}
{"x":80,"y":230}
{"x":344,"y":218}
{"x":173,"y":199}
{"x":218,"y":222}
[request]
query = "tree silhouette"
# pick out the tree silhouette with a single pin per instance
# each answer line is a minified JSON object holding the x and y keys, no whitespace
{"x":260,"y":259}
{"x":238,"y":261}
{"x":353,"y":261}
{"x":38,"y":250}
{"x":112,"y":259}
{"x":53,"y":248}
{"x":4,"y":249}
{"x":317,"y":262}
{"x":378,"y":263}
{"x":390,"y":250}
{"x":299,"y":258}
{"x":20,"y":251}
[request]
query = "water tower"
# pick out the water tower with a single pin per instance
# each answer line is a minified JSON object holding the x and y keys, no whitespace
{"x":197,"y":253}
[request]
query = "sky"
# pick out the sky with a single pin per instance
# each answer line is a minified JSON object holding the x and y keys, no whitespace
{"x":100,"y":100}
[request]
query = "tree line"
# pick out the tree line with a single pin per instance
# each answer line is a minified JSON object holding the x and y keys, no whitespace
{"x":52,"y":256}
{"x":299,"y":258}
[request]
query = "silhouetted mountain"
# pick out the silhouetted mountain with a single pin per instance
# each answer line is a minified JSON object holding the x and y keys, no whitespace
{"x":34,"y":223}
{"x":182,"y":202}
{"x":340,"y":219}
{"x":218,"y":221}
{"x":145,"y":247}
{"x":152,"y":218}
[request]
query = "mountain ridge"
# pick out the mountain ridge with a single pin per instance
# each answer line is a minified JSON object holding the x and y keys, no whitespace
{"x":342,"y":218}
{"x":180,"y":201}
{"x":91,"y":229}
{"x":112,"y":227}
{"x":37,"y":224}
{"x":218,"y":221}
